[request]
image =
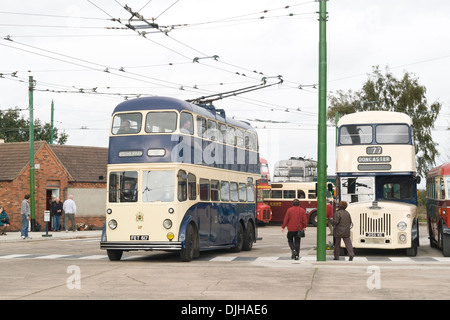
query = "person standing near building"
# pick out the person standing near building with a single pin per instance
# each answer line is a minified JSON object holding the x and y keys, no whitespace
{"x":25,"y":212}
{"x":56,"y":209}
{"x":295,"y":219}
{"x":70,"y":209}
{"x":4,"y":221}
{"x":342,"y":222}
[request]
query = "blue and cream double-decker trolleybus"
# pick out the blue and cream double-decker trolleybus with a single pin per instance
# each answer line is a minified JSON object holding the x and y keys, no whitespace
{"x":180,"y":177}
{"x":376,"y":175}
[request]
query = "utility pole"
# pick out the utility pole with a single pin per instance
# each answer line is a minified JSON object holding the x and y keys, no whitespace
{"x":51,"y":123}
{"x":32,"y":197}
{"x":322,"y":135}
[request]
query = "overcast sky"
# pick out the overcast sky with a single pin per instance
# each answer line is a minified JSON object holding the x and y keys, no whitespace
{"x":87,"y":63}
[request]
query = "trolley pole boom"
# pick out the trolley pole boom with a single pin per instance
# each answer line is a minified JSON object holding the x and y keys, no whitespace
{"x":322,"y":136}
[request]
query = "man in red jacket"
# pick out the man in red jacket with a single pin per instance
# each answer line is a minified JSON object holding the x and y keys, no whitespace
{"x":295,"y":219}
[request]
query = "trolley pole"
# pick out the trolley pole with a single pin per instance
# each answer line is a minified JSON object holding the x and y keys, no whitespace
{"x":322,"y":136}
{"x":51,"y":123}
{"x":32,"y":196}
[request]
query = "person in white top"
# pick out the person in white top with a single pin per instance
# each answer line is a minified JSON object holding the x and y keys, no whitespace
{"x":70,"y":209}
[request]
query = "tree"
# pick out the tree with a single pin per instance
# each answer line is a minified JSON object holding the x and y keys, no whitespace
{"x":385,"y":92}
{"x":14,"y":128}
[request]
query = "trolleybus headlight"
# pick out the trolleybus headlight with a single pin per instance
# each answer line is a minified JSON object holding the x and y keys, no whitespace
{"x":167,"y":223}
{"x":402,"y":237}
{"x":401,"y":226}
{"x":109,"y":211}
{"x":112,"y":224}
{"x":171,"y":210}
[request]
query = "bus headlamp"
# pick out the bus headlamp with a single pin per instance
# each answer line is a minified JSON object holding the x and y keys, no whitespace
{"x":401,"y":226}
{"x":112,"y":224}
{"x":167,"y":223}
{"x":171,"y":210}
{"x":402,"y":237}
{"x":109,"y":211}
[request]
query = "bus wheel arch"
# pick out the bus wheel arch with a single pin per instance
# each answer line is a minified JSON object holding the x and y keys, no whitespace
{"x":190,"y":250}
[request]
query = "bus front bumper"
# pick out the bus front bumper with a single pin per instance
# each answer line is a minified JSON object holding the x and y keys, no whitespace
{"x":148,"y":246}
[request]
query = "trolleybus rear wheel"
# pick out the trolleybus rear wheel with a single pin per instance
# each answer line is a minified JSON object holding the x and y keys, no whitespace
{"x":240,"y":238}
{"x":249,"y":237}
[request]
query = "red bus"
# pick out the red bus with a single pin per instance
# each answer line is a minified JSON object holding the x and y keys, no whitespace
{"x":280,"y":197}
{"x":438,"y":207}
{"x":263,"y":211}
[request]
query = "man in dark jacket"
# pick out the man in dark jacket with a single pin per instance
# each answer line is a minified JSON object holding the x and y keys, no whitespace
{"x":56,"y":209}
{"x":342,"y":222}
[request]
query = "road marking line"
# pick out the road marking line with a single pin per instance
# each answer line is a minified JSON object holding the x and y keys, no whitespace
{"x":12,"y":256}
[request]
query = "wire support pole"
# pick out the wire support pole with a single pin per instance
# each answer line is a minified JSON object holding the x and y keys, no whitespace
{"x":31,"y":134}
{"x":322,"y":136}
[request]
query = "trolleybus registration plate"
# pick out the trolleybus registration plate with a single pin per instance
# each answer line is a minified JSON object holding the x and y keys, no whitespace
{"x":139,"y":237}
{"x":375,"y":234}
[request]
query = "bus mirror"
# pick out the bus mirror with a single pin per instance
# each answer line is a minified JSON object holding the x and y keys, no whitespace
{"x":330,"y":187}
{"x":418,"y":179}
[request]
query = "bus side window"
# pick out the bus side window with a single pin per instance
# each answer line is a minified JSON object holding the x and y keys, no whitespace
{"x":223,"y":133}
{"x":231,"y":136}
{"x":215,"y":195}
{"x":301,"y":194}
{"x":201,"y":127}
{"x":277,"y":194}
{"x":242,"y":192}
{"x":311,"y":194}
{"x":192,"y":187}
{"x":186,"y":123}
{"x":251,"y":192}
{"x":212,"y":130}
{"x":239,"y":138}
{"x":225,"y":191}
{"x":289,"y":194}
{"x":204,"y":189}
{"x":448,"y":188}
{"x":234,"y":191}
{"x":182,"y":185}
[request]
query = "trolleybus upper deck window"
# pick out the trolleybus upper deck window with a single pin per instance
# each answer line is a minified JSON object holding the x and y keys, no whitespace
{"x":186,"y":123}
{"x":390,"y":133}
{"x":356,"y":134}
{"x":126,"y":123}
{"x":161,"y":122}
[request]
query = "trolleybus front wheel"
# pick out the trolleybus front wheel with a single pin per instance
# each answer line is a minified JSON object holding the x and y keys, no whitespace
{"x":445,"y":243}
{"x":191,"y":246}
{"x":114,"y":255}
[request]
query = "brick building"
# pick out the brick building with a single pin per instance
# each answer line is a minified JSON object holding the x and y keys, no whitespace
{"x":60,"y":170}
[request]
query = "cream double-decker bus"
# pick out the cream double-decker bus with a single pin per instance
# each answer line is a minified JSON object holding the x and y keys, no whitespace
{"x":376,"y":172}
